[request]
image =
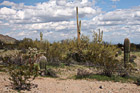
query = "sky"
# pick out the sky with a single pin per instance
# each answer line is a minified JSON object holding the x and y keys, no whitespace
{"x":56,"y":19}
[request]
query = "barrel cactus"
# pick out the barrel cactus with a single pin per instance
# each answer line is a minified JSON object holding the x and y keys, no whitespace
{"x":126,"y":51}
{"x":42,"y":65}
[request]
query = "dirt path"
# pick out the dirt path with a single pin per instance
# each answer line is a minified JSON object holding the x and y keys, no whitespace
{"x":51,"y":85}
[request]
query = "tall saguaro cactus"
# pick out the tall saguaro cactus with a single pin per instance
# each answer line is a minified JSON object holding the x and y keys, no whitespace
{"x":78,"y":27}
{"x":41,"y":36}
{"x":126,"y":51}
{"x":100,"y":37}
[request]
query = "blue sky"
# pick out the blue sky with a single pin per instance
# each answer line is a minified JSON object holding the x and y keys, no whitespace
{"x":120,"y":4}
{"x":56,"y":19}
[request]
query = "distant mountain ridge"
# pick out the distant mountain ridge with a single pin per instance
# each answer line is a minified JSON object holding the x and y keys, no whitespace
{"x":7,"y":39}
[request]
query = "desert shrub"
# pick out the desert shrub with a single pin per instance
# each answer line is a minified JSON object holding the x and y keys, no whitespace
{"x":138,"y":81}
{"x":43,"y":45}
{"x":75,"y":57}
{"x":103,"y":55}
{"x":133,"y":47}
{"x":130,"y":67}
{"x":83,"y":73}
{"x":127,"y":71}
{"x":22,"y":75}
{"x":22,"y":69}
{"x":132,"y":58}
{"x":51,"y":73}
{"x":96,"y":53}
{"x":26,"y":43}
{"x":104,"y":58}
{"x":77,"y":53}
{"x":54,"y":53}
{"x":119,"y":51}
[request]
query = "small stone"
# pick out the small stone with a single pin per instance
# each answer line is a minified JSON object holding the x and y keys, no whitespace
{"x":101,"y":87}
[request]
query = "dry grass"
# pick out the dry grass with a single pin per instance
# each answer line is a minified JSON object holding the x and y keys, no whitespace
{"x":8,"y":53}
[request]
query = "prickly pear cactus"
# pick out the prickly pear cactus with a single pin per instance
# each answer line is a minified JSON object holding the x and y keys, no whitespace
{"x":126,"y":51}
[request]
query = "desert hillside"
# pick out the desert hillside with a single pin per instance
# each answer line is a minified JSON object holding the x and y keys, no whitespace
{"x":7,"y":39}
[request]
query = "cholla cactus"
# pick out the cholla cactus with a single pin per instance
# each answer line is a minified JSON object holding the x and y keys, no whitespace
{"x":22,"y":69}
{"x":126,"y":51}
{"x":41,"y":61}
{"x":32,"y":52}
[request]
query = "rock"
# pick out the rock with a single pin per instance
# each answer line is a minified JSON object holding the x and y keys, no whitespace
{"x":117,"y":53}
{"x":83,"y":72}
{"x":101,"y":87}
{"x":51,"y":72}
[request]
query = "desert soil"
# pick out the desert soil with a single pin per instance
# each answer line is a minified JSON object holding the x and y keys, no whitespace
{"x":54,"y":85}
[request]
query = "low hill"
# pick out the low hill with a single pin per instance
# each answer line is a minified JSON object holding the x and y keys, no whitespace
{"x":7,"y":39}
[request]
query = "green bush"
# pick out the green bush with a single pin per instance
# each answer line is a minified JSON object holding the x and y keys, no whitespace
{"x":95,"y":53}
{"x":103,"y":55}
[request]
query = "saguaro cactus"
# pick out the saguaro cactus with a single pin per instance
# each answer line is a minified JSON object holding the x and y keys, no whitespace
{"x":78,"y":27}
{"x":126,"y":51}
{"x":41,"y":36}
{"x":100,"y":36}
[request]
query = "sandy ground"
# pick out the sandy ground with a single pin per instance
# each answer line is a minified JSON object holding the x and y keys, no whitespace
{"x":53,"y":85}
{"x":137,"y":61}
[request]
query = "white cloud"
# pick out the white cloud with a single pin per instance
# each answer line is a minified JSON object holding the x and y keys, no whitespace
{"x":22,"y":34}
{"x":50,"y":11}
{"x":56,"y":19}
{"x":118,"y":17}
{"x":8,"y":3}
{"x":61,"y":2}
{"x":7,"y":11}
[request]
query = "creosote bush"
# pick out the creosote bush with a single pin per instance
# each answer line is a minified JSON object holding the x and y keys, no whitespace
{"x":103,"y":55}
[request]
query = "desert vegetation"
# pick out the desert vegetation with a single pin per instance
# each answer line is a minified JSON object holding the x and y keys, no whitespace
{"x":70,"y":59}
{"x":88,"y":60}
